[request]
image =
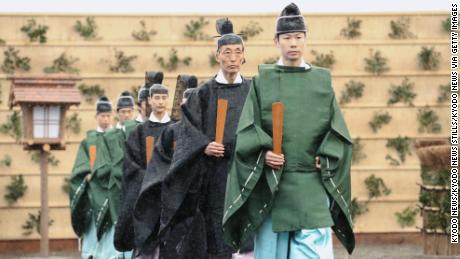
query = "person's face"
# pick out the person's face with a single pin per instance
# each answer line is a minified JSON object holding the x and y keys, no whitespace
{"x":230,"y":58}
{"x":104,"y":119}
{"x":291,"y":45}
{"x":158,"y":102}
{"x":125,"y":114}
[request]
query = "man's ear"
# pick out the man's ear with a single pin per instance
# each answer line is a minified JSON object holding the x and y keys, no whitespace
{"x":276,"y":41}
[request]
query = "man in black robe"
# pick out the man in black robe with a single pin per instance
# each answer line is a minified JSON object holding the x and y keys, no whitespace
{"x":143,"y":107}
{"x":148,"y":205}
{"x":137,"y":151}
{"x":193,"y":190}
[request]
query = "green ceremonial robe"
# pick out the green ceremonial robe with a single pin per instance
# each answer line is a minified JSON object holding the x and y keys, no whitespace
{"x":296,"y":195}
{"x":89,"y":199}
{"x":115,"y":141}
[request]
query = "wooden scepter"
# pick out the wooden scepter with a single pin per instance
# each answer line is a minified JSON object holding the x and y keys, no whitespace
{"x":149,"y":144}
{"x":278,"y":117}
{"x":92,"y":160}
{"x":222,"y":106}
{"x":181,"y":86}
{"x":92,"y":156}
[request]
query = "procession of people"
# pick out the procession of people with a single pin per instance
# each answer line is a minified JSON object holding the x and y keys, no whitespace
{"x":251,"y":165}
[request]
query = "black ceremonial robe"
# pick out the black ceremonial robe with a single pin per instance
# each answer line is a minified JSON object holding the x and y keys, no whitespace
{"x":193,"y":190}
{"x":148,"y":205}
{"x":134,"y":166}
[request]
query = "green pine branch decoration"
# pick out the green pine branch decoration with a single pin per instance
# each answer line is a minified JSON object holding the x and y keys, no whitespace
{"x":357,"y":208}
{"x":33,"y":224}
{"x":352,"y":31}
{"x":143,"y":34}
{"x":91,"y":92}
{"x":445,"y":24}
{"x":35,"y":32}
{"x":444,"y":93}
{"x":194,"y":29}
{"x":429,"y":58}
{"x":15,"y":190}
{"x":2,"y":42}
{"x":87,"y":29}
{"x":445,"y":204}
{"x":73,"y":123}
{"x":35,"y":157}
{"x":212,"y":60}
{"x":376,"y":64}
{"x":63,"y":64}
{"x":376,"y":187}
{"x":438,"y":220}
{"x":406,"y":218}
{"x":6,"y":161}
{"x":122,"y":63}
{"x":12,"y":127}
{"x":402,"y":145}
{"x":66,"y":185}
{"x":270,"y":60}
{"x":434,"y":177}
{"x":400,"y":29}
{"x":12,"y":61}
{"x":173,"y":61}
{"x":353,"y":90}
{"x":392,"y":160}
{"x":403,"y":93}
{"x":428,"y":121}
{"x":251,"y":30}
{"x":357,"y":152}
{"x":425,"y":198}
{"x":323,"y":60}
{"x":378,"y":120}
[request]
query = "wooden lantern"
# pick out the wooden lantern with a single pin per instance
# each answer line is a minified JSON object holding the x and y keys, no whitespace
{"x":44,"y":102}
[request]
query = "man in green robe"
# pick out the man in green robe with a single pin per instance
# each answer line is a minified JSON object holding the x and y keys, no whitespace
{"x":291,"y":200}
{"x":115,"y":140}
{"x":89,"y":187}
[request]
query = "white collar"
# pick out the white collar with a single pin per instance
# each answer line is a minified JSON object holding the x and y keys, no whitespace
{"x":120,"y":126}
{"x":139,"y":118}
{"x":101,"y":130}
{"x":302,"y":63}
{"x":165,"y":118}
{"x":220,"y":78}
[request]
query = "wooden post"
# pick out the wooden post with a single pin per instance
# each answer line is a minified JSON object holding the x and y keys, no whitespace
{"x":44,"y":219}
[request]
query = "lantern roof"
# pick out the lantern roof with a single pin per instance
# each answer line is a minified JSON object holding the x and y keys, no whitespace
{"x":44,"y":90}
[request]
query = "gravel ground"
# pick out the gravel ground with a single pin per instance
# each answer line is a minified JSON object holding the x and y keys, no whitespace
{"x":361,"y":252}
